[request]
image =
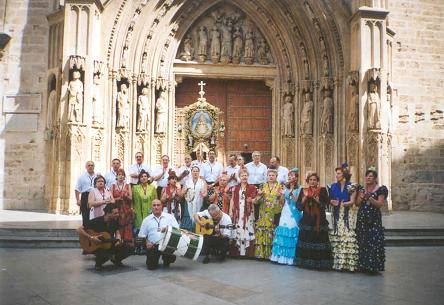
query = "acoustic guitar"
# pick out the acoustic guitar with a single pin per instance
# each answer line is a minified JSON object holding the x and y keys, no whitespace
{"x":208,"y":227}
{"x":89,"y":246}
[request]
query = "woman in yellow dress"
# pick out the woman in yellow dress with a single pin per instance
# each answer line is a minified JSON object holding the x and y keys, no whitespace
{"x":269,"y":201}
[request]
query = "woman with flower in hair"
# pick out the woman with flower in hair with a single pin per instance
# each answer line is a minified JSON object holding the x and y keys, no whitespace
{"x":171,"y":197}
{"x":343,"y":237}
{"x":369,"y":230}
{"x":123,"y":196}
{"x":313,"y":249}
{"x":286,"y":234}
{"x":268,"y":201}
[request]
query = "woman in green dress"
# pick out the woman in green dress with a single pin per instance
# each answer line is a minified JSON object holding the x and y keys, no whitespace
{"x":143,"y":195}
{"x":269,"y":202}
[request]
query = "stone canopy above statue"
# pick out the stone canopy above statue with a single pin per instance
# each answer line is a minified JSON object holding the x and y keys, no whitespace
{"x":225,"y":35}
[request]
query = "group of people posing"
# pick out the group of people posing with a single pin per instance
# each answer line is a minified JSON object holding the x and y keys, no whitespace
{"x":265,"y":212}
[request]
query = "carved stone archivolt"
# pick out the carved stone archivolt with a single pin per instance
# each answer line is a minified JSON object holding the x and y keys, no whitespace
{"x":225,"y":35}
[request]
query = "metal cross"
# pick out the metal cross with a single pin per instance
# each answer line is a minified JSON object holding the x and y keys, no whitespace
{"x":201,"y":92}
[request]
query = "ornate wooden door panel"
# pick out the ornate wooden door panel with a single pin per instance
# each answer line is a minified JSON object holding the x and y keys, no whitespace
{"x":247,"y":107}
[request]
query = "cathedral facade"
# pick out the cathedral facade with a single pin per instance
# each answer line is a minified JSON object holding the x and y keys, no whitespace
{"x":317,"y":83}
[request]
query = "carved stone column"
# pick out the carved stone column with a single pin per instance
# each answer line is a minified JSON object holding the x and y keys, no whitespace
{"x":369,"y":57}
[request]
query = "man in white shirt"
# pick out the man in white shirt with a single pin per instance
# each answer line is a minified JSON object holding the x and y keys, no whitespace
{"x":161,"y":173}
{"x":199,"y":160}
{"x":218,"y":242}
{"x":153,"y":229}
{"x":257,"y":171}
{"x":275,"y":163}
{"x":232,"y":171}
{"x":111,"y":177}
{"x":135,"y":169}
{"x":184,"y":172}
{"x":84,"y":185}
{"x":212,"y":169}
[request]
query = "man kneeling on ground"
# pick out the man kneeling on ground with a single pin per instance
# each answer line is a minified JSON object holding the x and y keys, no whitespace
{"x":106,"y":223}
{"x":218,"y":242}
{"x":152,"y":229}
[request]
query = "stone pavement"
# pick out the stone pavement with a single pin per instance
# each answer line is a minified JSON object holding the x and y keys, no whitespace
{"x":64,"y":276}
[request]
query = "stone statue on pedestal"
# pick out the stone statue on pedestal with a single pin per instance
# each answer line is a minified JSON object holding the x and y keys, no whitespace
{"x":327,"y":113}
{"x":237,"y":46}
{"x":144,"y":110}
{"x":261,"y":52}
{"x":288,"y":116}
{"x":162,"y":113}
{"x":215,"y":45}
{"x":203,"y":43}
{"x":307,"y":115}
{"x":249,"y":48}
{"x":373,"y":107}
{"x":227,"y":43}
{"x":75,"y":98}
{"x":353,"y":115}
{"x":122,"y":107}
{"x":187,"y":53}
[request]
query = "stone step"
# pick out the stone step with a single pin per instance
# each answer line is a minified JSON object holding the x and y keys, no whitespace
{"x":414,"y":241}
{"x":415,"y":232}
{"x":38,"y":232}
{"x":39,"y":242}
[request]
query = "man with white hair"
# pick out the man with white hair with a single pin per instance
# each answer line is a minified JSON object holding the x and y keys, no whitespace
{"x":257,"y":171}
{"x":218,"y":242}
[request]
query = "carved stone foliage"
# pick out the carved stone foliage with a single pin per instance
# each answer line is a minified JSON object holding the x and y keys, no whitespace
{"x":225,"y":35}
{"x":372,"y":149}
{"x":308,"y":153}
{"x":97,"y":146}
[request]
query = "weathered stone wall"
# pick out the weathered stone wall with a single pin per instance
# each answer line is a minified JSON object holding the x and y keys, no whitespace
{"x":418,"y":74}
{"x":23,"y":83}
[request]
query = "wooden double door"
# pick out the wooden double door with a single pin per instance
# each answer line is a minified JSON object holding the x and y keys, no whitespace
{"x":247,"y":108}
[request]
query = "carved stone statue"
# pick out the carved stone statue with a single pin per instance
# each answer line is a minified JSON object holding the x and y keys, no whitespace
{"x":162,"y":113}
{"x":261,"y":53}
{"x":187,"y":51}
{"x":249,"y":48}
{"x":144,"y":60}
{"x":215,"y":45}
{"x":227,"y":43}
{"x":144,"y":110}
{"x":75,"y":98}
{"x":307,"y":115}
{"x":122,"y":107}
{"x":353,"y":115}
{"x":373,"y":107}
{"x":305,"y":62}
{"x":288,"y":116}
{"x":237,"y":46}
{"x":325,"y":65}
{"x":203,"y":44}
{"x":327,"y":113}
{"x":97,"y":102}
